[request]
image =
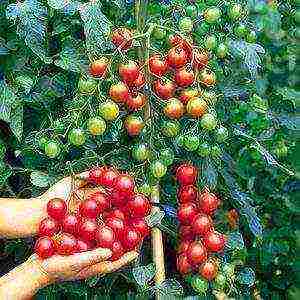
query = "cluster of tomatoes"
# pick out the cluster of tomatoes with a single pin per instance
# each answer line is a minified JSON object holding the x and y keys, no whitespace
{"x":198,"y":238}
{"x":113,"y":217}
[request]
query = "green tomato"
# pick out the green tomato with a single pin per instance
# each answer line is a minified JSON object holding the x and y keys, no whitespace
{"x":208,"y":122}
{"x":228,"y":270}
{"x":109,"y":110}
{"x":42,"y":141}
{"x":199,"y":284}
{"x":141,"y":152}
{"x":220,"y":281}
{"x":52,"y":149}
{"x":180,"y":140}
{"x":211,"y":42}
{"x":87,"y":86}
{"x":76,"y":137}
{"x":235,"y":12}
{"x":281,"y":150}
{"x":171,"y":128}
{"x":212,"y":15}
{"x":222,"y":50}
{"x":158,"y":169}
{"x":201,"y":29}
{"x":251,"y":37}
{"x":203,"y":150}
{"x":221,"y":134}
{"x":210,"y":97}
{"x":216,"y":152}
{"x":191,"y":11}
{"x":96,"y":126}
{"x":191,"y":142}
{"x":241,"y":30}
{"x":261,"y":8}
{"x":185,"y":24}
{"x":145,"y":189}
{"x":159,"y":33}
{"x":167,"y":156}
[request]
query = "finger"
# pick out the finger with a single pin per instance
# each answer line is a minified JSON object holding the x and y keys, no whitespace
{"x":81,"y":179}
{"x":108,"y":266}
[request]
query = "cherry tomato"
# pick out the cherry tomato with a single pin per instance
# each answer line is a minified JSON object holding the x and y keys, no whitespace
{"x":186,"y":174}
{"x":109,"y":110}
{"x":228,"y":270}
{"x":183,"y":265}
{"x":251,"y":37}
{"x":166,"y":156}
{"x":141,"y":152}
{"x":52,"y":149}
{"x":131,"y":238}
{"x":184,"y":78}
{"x":135,"y":103}
{"x":87,"y":230}
{"x":105,"y":237}
{"x":281,"y":150}
{"x":139,"y":206}
{"x":76,"y":137}
{"x":158,"y":169}
{"x":186,"y":233}
{"x":87,"y":86}
{"x":196,"y":253}
{"x":183,"y":246}
{"x":65,"y":244}
{"x":83,"y":246}
{"x":201,"y":59}
{"x":241,"y":30}
{"x":158,"y":66}
{"x":41,"y":142}
{"x":191,"y":143}
{"x":134,"y":125}
{"x":187,"y":212}
{"x":196,"y":107}
{"x":70,"y":224}
{"x":96,"y":174}
{"x":188,"y":94}
{"x":44,"y":247}
{"x":214,"y":241}
{"x":204,"y":150}
{"x":222,"y":51}
{"x":117,"y":225}
{"x":124,"y":183}
{"x":175,"y":40}
{"x":56,"y":208}
{"x":108,"y":178}
{"x":98,"y":67}
{"x":174,"y":109}
{"x":208,"y":122}
{"x":210,"y":42}
{"x":159,"y":33}
{"x":199,"y":284}
{"x":212,"y":15}
{"x":221,"y":134}
{"x":210,"y":97}
{"x":164,"y":90}
{"x":145,"y":189}
{"x":139,"y":82}
{"x":129,"y":72}
{"x":216,"y":152}
{"x":187,"y":193}
{"x":185,"y":24}
{"x":117,"y":250}
{"x":115,"y":213}
{"x":208,"y":78}
{"x":89,"y":208}
{"x":220,"y":281}
{"x":191,"y":11}
{"x":122,"y":38}
{"x":171,"y":128}
{"x":140,"y":225}
{"x":96,"y":126}
{"x":202,"y":224}
{"x":48,"y":227}
{"x":177,"y":57}
{"x":208,"y":202}
{"x":119,"y":92}
{"x":235,"y":11}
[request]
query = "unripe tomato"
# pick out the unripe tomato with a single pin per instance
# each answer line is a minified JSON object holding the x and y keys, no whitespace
{"x":41,"y":142}
{"x":164,"y":90}
{"x":196,"y":253}
{"x":174,"y":109}
{"x":158,"y":66}
{"x":202,"y":224}
{"x":76,"y":137}
{"x":208,"y":78}
{"x":221,"y":134}
{"x":199,"y":285}
{"x":171,"y":128}
{"x":158,"y":169}
{"x":44,"y":247}
{"x":117,"y":250}
{"x":134,"y":125}
{"x":228,"y":270}
{"x":141,"y":152}
{"x":201,"y":59}
{"x":187,"y":193}
{"x":56,"y":208}
{"x":140,"y":225}
{"x":119,"y":92}
{"x":191,"y":11}
{"x":122,"y":38}
{"x":98,"y":67}
{"x":208,"y":202}
{"x":145,"y":189}
{"x":87,"y":230}
{"x":208,"y":122}
{"x":180,"y":140}
{"x":196,"y":107}
{"x":183,"y":265}
{"x":70,"y":224}
{"x":131,"y":238}
{"x":184,"y":78}
{"x":220,"y":281}
{"x":166,"y":156}
{"x":185,"y":24}
{"x":241,"y":30}
{"x":65,"y":244}
{"x":212,"y":15}
{"x":214,"y":241}
{"x":177,"y":57}
{"x":48,"y":227}
{"x":105,"y":237}
{"x":251,"y":37}
{"x":210,"y":42}
{"x":135,"y":103}
{"x":59,"y":126}
{"x":52,"y":149}
{"x":222,"y":50}
{"x":216,"y":152}
{"x":96,"y":126}
{"x":186,"y":174}
{"x":204,"y":150}
{"x":209,"y":269}
{"x":139,"y":206}
{"x":187,"y":212}
{"x":87,"y":86}
{"x":281,"y":150}
{"x":159,"y":33}
{"x":129,"y":72}
{"x":188,"y":94}
{"x":235,"y":12}
{"x":109,"y":110}
{"x":191,"y":142}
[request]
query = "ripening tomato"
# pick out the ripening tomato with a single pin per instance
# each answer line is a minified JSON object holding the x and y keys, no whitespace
{"x":76,"y":137}
{"x":122,"y":38}
{"x":158,"y":169}
{"x":214,"y":241}
{"x":212,"y":15}
{"x":207,"y":78}
{"x":235,"y":11}
{"x":139,"y":206}
{"x":119,"y":92}
{"x":183,"y":246}
{"x":157,"y":65}
{"x":222,"y":51}
{"x":208,"y":202}
{"x":164,"y":90}
{"x":208,"y":122}
{"x":98,"y":67}
{"x":48,"y":227}
{"x":129,"y":72}
{"x":185,"y":24}
{"x":44,"y":247}
{"x":65,"y":244}
{"x":175,"y":40}
{"x":131,"y":238}
{"x":188,"y":94}
{"x":105,"y":237}
{"x":141,"y":152}
{"x":174,"y":109}
{"x":136,"y":103}
{"x":56,"y":208}
{"x":199,"y":285}
{"x":209,"y":269}
{"x":134,"y":125}
{"x":187,"y":193}
{"x":187,"y":212}
{"x":186,"y":174}
{"x":184,"y":78}
{"x":96,"y":126}
{"x":183,"y":265}
{"x":109,"y":110}
{"x":210,"y":42}
{"x":196,"y":107}
{"x":196,"y":253}
{"x":202,"y":224}
{"x":200,"y":59}
{"x":177,"y":57}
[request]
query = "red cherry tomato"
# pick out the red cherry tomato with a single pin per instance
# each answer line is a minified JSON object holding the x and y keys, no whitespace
{"x":89,"y":208}
{"x":70,"y":223}
{"x":176,"y":40}
{"x":186,"y":233}
{"x":202,"y":224}
{"x":186,"y":174}
{"x":48,"y":227}
{"x":96,"y":173}
{"x":117,"y":225}
{"x":139,"y":206}
{"x":119,"y":92}
{"x":183,"y":246}
{"x":124,"y":183}
{"x":102,"y":201}
{"x":164,"y":90}
{"x":208,"y":202}
{"x":139,"y":82}
{"x":177,"y":57}
{"x":115,"y":213}
{"x":183,"y":265}
{"x":214,"y":241}
{"x":87,"y":230}
{"x":209,"y":269}
{"x":117,"y":250}
{"x":196,"y":253}
{"x":134,"y":125}
{"x":65,"y":244}
{"x":135,"y":103}
{"x":83,"y":246}
{"x":44,"y":247}
{"x":105,"y":237}
{"x":200,"y":59}
{"x":118,"y":199}
{"x":140,"y":225}
{"x":186,"y":213}
{"x":187,"y":193}
{"x":131,"y":238}
{"x":129,"y":72}
{"x":98,"y":67}
{"x":122,"y":38}
{"x":56,"y":208}
{"x":108,"y":177}
{"x":184,"y":78}
{"x":158,"y":66}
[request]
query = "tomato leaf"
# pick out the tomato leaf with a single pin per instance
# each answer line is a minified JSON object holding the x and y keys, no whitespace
{"x":7,"y":98}
{"x":143,"y":274}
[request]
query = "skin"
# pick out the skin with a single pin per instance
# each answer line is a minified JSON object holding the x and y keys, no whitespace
{"x":21,"y":217}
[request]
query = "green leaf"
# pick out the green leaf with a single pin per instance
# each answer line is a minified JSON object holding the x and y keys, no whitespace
{"x":155,"y":218}
{"x":170,"y":288}
{"x":40,"y":179}
{"x":143,"y":274}
{"x":5,"y":172}
{"x":235,"y":241}
{"x":259,"y":104}
{"x":7,"y":98}
{"x":16,"y":122}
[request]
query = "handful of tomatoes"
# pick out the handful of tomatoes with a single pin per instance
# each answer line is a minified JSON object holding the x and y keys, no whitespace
{"x":113,"y":218}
